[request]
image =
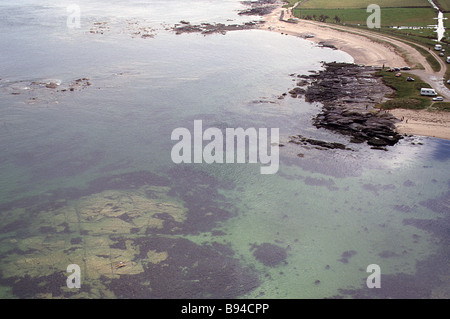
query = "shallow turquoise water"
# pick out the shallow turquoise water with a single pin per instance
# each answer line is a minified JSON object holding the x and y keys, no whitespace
{"x":68,"y":158}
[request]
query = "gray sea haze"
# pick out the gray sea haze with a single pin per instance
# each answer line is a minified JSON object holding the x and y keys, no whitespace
{"x":86,"y":175}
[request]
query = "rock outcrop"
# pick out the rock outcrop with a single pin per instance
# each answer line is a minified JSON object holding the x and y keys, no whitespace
{"x":350,"y":95}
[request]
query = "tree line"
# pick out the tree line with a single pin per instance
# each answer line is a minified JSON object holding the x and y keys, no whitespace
{"x":321,"y":18}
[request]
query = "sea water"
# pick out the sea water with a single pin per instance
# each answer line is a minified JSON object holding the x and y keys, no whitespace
{"x":86,"y":175}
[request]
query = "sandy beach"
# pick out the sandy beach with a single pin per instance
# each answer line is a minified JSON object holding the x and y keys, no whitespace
{"x":423,"y":122}
{"x":362,"y":49}
{"x":374,"y":50}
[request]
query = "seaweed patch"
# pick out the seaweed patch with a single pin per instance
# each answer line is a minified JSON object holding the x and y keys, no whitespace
{"x":269,"y":254}
{"x":185,"y":270}
{"x":346,"y":255}
{"x":439,"y":204}
{"x":116,"y":230}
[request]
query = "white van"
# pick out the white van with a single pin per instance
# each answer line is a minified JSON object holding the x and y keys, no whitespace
{"x":448,"y":59}
{"x":428,"y":92}
{"x":438,"y":47}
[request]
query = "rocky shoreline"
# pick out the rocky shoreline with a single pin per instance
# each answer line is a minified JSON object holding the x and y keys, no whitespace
{"x":260,"y":7}
{"x":210,"y":28}
{"x":256,"y":8}
{"x":351,"y":95}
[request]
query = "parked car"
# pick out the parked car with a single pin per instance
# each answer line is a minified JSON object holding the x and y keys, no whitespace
{"x":441,"y":54}
{"x":410,"y":79}
{"x":406,"y":68}
{"x":438,"y":98}
{"x":396,"y":69}
{"x":398,"y":74}
{"x":448,"y":81}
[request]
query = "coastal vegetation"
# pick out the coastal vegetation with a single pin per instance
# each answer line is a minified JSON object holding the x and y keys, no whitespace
{"x":409,"y":21}
{"x":440,"y":106}
{"x":406,"y":94}
{"x":444,"y":5}
{"x":344,"y":4}
{"x":417,"y":14}
{"x":410,"y":17}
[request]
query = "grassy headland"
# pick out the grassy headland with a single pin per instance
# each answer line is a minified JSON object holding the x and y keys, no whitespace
{"x":410,"y":21}
{"x":407,"y":93}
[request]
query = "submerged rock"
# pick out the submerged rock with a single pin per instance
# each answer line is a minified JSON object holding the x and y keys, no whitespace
{"x":126,"y":233}
{"x":211,"y":28}
{"x":346,"y":255}
{"x":269,"y":254}
{"x":183,"y":269}
{"x":440,"y":204}
{"x":300,"y":140}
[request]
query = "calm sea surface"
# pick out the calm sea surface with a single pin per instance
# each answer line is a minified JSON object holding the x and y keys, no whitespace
{"x":86,"y":175}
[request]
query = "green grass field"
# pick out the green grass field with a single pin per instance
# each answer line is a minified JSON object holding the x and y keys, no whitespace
{"x":407,"y":94}
{"x":417,"y":13}
{"x":419,"y":17}
{"x":441,"y":106}
{"x":352,"y":4}
{"x":444,"y":4}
